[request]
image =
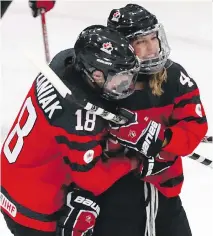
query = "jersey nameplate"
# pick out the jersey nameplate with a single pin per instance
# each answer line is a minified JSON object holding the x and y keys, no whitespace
{"x":47,"y":97}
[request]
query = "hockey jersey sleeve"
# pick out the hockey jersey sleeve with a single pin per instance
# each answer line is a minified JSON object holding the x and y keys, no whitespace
{"x":79,"y":135}
{"x":83,"y":154}
{"x":188,"y":123}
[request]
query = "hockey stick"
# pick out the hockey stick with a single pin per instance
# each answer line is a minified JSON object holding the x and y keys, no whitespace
{"x":4,"y":7}
{"x":203,"y":160}
{"x":45,"y":37}
{"x":66,"y":93}
{"x":207,"y":139}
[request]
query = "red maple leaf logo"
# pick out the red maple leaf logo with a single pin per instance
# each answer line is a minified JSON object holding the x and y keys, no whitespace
{"x":107,"y":45}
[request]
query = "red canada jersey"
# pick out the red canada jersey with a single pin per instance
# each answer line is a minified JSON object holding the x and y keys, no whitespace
{"x":51,"y":144}
{"x":180,"y":109}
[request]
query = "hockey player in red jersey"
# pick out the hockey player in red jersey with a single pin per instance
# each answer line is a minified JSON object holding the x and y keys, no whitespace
{"x":123,"y":206}
{"x":54,"y":143}
{"x":165,"y":93}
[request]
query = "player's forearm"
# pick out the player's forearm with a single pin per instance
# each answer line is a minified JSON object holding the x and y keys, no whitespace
{"x":183,"y":141}
{"x":103,"y":175}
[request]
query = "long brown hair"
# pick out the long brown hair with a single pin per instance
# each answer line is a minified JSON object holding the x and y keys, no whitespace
{"x":155,"y":83}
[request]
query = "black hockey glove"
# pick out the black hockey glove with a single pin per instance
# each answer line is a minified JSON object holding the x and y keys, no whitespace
{"x":78,"y":215}
{"x":149,"y":166}
{"x":141,"y":134}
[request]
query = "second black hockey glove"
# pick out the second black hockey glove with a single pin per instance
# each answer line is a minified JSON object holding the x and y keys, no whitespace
{"x":141,"y":134}
{"x":79,"y":215}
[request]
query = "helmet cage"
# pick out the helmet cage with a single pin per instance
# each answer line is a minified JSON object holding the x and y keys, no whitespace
{"x":115,"y":85}
{"x":155,"y":64}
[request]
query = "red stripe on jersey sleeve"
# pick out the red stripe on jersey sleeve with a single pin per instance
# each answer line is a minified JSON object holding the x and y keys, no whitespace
{"x":185,"y":137}
{"x":187,"y":96}
{"x":82,"y":157}
{"x":103,"y":175}
{"x":90,"y":172}
{"x":80,"y":138}
{"x":189,"y":110}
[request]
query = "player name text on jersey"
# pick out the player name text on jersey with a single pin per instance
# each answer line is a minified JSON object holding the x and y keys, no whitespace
{"x":47,"y":97}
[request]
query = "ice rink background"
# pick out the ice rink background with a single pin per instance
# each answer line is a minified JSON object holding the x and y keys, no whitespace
{"x":189,"y":31}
